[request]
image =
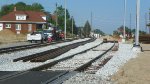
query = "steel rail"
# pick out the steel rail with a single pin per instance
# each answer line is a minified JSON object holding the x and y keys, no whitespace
{"x":24,"y":47}
{"x":45,"y":66}
{"x":50,"y":54}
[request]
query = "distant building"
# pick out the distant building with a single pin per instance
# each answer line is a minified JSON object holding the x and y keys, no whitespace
{"x":23,"y":21}
{"x":148,"y":25}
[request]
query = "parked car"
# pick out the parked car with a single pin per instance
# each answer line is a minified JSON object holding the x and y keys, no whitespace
{"x":36,"y":36}
{"x":48,"y":34}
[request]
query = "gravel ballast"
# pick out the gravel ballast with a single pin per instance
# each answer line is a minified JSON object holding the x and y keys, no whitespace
{"x":121,"y":57}
{"x":82,"y":78}
{"x":102,"y":76}
{"x":7,"y":64}
{"x":80,"y":59}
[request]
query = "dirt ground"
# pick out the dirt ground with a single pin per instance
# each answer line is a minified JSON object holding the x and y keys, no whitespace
{"x":7,"y":36}
{"x":110,"y":38}
{"x":136,"y":71}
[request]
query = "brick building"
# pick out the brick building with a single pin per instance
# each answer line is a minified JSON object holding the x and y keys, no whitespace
{"x":23,"y":21}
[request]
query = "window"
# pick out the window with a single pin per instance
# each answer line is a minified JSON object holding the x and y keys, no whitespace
{"x":44,"y":17}
{"x":8,"y":25}
{"x":1,"y":26}
{"x":18,"y":26}
{"x":21,"y":17}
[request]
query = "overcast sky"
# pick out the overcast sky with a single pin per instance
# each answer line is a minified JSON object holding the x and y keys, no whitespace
{"x":107,"y":14}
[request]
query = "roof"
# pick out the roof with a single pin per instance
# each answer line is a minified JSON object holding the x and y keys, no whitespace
{"x":32,"y":16}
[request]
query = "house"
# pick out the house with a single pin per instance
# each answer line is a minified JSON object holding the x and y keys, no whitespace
{"x":23,"y":21}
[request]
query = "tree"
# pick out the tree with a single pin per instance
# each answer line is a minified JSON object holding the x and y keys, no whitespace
{"x":37,"y":7}
{"x":80,"y":31}
{"x":116,"y":33}
{"x":87,"y":29}
{"x":98,"y":31}
{"x":75,"y":29}
{"x":20,"y":6}
{"x":140,"y":32}
{"x":6,"y":9}
{"x":120,"y":31}
{"x":60,"y":16}
{"x":128,"y":31}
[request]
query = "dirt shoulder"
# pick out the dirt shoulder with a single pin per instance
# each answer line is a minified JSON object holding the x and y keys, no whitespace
{"x":136,"y":71}
{"x":7,"y":36}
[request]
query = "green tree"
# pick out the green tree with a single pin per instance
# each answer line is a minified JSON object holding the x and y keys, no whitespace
{"x":75,"y":29}
{"x":60,"y":15}
{"x":37,"y":7}
{"x":128,"y":31}
{"x":116,"y":33}
{"x":20,"y":6}
{"x":6,"y":9}
{"x":80,"y":31}
{"x":98,"y":31}
{"x":87,"y":29}
{"x":140,"y":32}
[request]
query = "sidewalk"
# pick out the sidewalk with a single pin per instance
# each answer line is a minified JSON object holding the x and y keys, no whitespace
{"x":136,"y":71}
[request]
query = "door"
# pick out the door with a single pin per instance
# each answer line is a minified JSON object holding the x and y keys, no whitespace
{"x":29,"y":27}
{"x":1,"y":26}
{"x":18,"y":28}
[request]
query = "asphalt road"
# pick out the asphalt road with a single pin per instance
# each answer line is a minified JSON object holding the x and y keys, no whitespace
{"x":32,"y":77}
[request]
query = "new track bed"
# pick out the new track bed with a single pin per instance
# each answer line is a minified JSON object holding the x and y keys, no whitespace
{"x":46,"y":75}
{"x":50,"y":54}
{"x":49,"y":65}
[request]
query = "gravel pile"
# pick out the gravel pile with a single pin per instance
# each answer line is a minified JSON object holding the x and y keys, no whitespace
{"x":121,"y":57}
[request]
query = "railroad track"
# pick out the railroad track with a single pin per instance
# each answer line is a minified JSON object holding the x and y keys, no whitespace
{"x":80,"y":68}
{"x":81,"y":61}
{"x":49,"y":65}
{"x":50,"y":54}
{"x":48,"y":76}
{"x":23,"y":47}
{"x":99,"y":63}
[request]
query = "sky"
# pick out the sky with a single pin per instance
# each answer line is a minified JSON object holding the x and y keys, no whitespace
{"x":108,"y":15}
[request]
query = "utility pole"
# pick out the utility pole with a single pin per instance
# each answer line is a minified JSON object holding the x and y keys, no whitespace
{"x":56,"y":16}
{"x":137,"y":47}
{"x":65,"y":20}
{"x":146,"y":22}
{"x":124,"y":23}
{"x":130,"y":24}
{"x":149,"y":22}
{"x":137,"y":22}
{"x":92,"y":24}
{"x":72,"y":26}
